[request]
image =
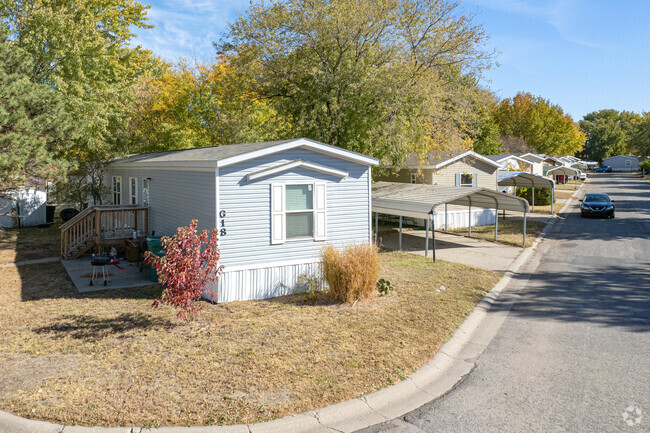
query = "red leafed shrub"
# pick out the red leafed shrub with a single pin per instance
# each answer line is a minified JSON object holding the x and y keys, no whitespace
{"x":190,"y":264}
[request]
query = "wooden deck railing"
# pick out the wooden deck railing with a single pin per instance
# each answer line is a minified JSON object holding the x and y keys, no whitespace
{"x":97,"y":224}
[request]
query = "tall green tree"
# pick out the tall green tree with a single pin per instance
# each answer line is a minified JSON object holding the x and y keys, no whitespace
{"x":35,"y":128}
{"x":640,"y":136}
{"x":542,"y":125}
{"x":382,"y":77}
{"x":607,"y":134}
{"x":81,"y":49}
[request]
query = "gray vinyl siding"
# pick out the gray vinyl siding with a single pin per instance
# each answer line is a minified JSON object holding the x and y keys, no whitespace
{"x":176,"y":197}
{"x":618,"y":163}
{"x":248,"y":205}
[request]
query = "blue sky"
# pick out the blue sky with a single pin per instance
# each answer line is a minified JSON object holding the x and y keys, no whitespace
{"x":584,"y":55}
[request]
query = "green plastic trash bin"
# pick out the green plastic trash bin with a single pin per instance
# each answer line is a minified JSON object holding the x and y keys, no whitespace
{"x":158,"y":251}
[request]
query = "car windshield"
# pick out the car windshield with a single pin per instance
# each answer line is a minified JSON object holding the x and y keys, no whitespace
{"x":596,"y":198}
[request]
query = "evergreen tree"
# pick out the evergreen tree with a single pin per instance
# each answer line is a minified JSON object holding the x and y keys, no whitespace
{"x":35,"y":128}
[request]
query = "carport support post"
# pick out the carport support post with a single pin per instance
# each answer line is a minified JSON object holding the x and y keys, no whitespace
{"x":524,"y":228}
{"x":533,"y":199}
{"x":426,"y":245}
{"x":445,"y":217}
{"x":400,"y":233}
{"x":552,"y":198}
{"x":496,"y":223}
{"x":470,"y":221}
{"x":376,"y":227}
{"x":433,"y":234}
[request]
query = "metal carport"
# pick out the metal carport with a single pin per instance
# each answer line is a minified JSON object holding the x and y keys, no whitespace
{"x":420,"y":201}
{"x":564,"y":171}
{"x":524,"y":179}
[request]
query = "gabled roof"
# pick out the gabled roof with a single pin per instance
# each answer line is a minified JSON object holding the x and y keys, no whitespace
{"x":436,"y":160}
{"x":225,"y":155}
{"x":502,"y":157}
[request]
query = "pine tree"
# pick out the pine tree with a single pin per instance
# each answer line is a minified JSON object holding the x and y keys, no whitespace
{"x":34,"y":125}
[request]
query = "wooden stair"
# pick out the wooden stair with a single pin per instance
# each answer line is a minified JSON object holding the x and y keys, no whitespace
{"x":99,"y":225}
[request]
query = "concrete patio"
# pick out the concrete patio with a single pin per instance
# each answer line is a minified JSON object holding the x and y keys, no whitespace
{"x":80,"y":271}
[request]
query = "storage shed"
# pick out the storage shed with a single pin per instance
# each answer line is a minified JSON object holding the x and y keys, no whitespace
{"x":622,"y":163}
{"x":23,"y":207}
{"x":276,"y":205}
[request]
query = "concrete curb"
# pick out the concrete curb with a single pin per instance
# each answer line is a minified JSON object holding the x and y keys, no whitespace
{"x":455,"y":360}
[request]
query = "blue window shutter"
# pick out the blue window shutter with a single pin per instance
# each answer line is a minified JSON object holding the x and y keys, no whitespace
{"x":475,"y":180}
{"x":457,"y":179}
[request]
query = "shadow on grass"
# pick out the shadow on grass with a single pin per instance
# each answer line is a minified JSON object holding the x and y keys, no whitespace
{"x":88,"y":327}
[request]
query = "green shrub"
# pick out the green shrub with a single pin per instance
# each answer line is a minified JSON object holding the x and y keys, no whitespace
{"x":542,"y":195}
{"x":384,"y":287}
{"x":645,"y":165}
{"x":350,"y":272}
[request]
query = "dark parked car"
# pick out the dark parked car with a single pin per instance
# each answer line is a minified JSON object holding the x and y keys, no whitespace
{"x":603,"y":169}
{"x":597,"y":204}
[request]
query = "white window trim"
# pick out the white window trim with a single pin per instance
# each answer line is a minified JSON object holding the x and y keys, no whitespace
{"x":313,"y":213}
{"x":146,"y":181}
{"x":133,"y":190}
{"x":414,"y":178}
{"x":467,"y":185}
{"x":317,"y":212}
{"x":115,"y":192}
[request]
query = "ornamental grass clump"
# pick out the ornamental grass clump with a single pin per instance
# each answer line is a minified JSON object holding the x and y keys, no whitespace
{"x":351,"y":272}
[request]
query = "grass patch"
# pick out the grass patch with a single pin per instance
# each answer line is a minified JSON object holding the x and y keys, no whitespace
{"x":544,"y":209}
{"x":563,"y":195}
{"x":510,"y":231}
{"x":107,"y":358}
{"x":569,"y":186}
{"x":29,"y":243}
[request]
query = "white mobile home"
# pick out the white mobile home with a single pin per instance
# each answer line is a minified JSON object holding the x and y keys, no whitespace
{"x":622,"y":163}
{"x":276,"y":205}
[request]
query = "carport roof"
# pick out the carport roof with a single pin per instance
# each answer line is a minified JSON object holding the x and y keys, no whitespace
{"x":417,"y":200}
{"x":524,"y":179}
{"x":563,"y":171}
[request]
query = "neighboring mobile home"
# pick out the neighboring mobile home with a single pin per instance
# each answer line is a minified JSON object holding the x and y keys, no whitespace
{"x":276,"y":205}
{"x":459,"y":168}
{"x":510,"y":162}
{"x":622,"y":163}
{"x":448,"y":168}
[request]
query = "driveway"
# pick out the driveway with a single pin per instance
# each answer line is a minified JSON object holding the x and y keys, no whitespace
{"x":574,"y":352}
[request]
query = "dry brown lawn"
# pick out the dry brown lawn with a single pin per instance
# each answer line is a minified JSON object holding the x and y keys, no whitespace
{"x":510,"y":231}
{"x":107,"y":358}
{"x":29,"y":243}
{"x":564,"y":195}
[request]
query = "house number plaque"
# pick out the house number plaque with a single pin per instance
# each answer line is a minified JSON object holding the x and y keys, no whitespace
{"x":222,"y":215}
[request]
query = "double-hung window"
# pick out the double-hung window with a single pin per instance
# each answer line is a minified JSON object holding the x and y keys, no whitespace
{"x":299,"y":202}
{"x":298,"y":211}
{"x":117,"y":189}
{"x":466,"y":179}
{"x":145,"y":192}
{"x":133,"y":190}
{"x":414,"y":178}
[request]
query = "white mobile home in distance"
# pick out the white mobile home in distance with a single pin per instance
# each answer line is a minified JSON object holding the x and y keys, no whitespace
{"x":622,"y":163}
{"x":276,"y":205}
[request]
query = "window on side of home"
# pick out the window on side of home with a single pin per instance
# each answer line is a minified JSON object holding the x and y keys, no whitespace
{"x":628,"y":163}
{"x":117,"y":189}
{"x":145,"y":192}
{"x":133,"y":190}
{"x":299,"y":208}
{"x":414,"y":178}
{"x":467,"y":179}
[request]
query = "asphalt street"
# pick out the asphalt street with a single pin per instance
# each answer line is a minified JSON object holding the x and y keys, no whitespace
{"x":573,"y":354}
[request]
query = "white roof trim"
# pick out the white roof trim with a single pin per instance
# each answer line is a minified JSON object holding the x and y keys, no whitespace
{"x":517,"y":157}
{"x":301,"y":142}
{"x":270,"y":171}
{"x":456,"y":158}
